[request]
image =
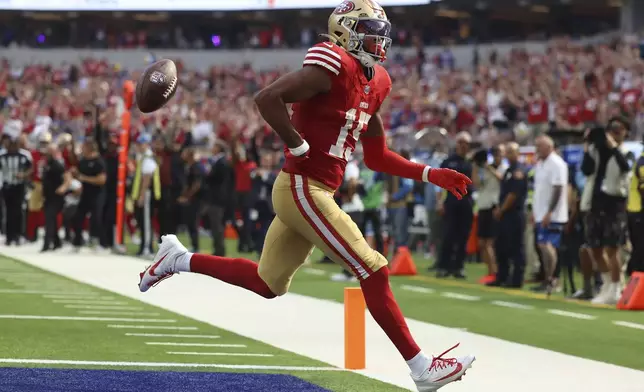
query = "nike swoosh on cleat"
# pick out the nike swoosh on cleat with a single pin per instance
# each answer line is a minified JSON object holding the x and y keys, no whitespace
{"x":157,"y":264}
{"x":458,"y":369}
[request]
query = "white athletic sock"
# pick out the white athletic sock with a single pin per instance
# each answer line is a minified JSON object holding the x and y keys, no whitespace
{"x":419,"y":364}
{"x":182,"y":263}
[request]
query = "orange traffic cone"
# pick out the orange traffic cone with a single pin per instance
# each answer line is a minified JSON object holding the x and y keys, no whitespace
{"x":403,"y":263}
{"x":229,"y":232}
{"x":633,"y":295}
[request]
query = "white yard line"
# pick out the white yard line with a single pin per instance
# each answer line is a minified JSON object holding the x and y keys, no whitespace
{"x":176,"y":344}
{"x":87,"y":302}
{"x":314,"y":328}
{"x":512,"y":305}
{"x":629,"y":324}
{"x":314,"y":271}
{"x":75,"y":296}
{"x":166,"y":365}
{"x":173,"y":335}
{"x":417,"y":289}
{"x":564,"y":313}
{"x":121,"y":326}
{"x":71,"y":318}
{"x":117,"y":313}
{"x":460,"y":296}
{"x":97,"y":307}
{"x":52,"y":292}
{"x":218,"y":354}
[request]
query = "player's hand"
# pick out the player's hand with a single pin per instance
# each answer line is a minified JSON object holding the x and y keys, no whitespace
{"x":300,"y":153}
{"x":456,"y":183}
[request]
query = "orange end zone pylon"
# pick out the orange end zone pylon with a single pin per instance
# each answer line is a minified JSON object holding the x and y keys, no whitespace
{"x":633,"y":295}
{"x":354,"y":329}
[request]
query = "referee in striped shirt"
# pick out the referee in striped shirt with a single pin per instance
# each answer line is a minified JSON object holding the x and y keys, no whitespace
{"x":15,"y":166}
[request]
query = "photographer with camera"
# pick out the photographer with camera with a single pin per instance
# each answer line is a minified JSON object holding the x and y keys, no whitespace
{"x":604,"y":197}
{"x":486,"y":178}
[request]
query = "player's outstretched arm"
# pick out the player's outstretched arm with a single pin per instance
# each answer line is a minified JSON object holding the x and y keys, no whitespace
{"x":378,"y":157}
{"x":293,"y":87}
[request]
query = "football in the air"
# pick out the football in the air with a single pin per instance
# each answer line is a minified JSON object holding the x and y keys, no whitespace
{"x":156,"y":86}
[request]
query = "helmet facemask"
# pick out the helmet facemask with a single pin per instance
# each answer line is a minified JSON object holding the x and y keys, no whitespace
{"x":368,"y":39}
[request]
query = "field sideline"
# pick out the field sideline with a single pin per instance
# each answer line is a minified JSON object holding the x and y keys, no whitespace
{"x":313,"y":331}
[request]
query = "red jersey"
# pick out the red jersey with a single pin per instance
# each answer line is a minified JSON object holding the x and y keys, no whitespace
{"x":589,"y":111}
{"x":538,"y":112}
{"x":332,"y":122}
{"x":243,"y":181}
{"x":573,"y":114}
{"x":630,"y":99}
{"x":39,"y":161}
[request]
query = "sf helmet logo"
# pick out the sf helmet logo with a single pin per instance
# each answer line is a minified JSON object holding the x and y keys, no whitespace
{"x":345,"y":8}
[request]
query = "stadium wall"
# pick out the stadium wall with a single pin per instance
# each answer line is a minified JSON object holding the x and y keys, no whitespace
{"x":203,"y":59}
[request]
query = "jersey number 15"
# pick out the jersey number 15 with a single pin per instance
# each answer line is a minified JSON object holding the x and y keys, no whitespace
{"x":353,"y":128}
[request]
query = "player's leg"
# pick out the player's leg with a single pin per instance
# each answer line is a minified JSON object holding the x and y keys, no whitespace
{"x":284,"y":252}
{"x":314,"y":214}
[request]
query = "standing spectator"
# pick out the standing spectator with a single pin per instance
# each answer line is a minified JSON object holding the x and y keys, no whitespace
{"x":636,"y":217}
{"x":146,"y":192}
{"x":487,"y":179}
{"x":190,"y":199}
{"x":220,"y":179}
{"x":549,"y":205}
{"x":372,"y":200}
{"x":457,"y":215}
{"x":108,"y":145}
{"x":263,"y":179}
{"x":243,"y":169}
{"x":92,"y":176}
{"x":400,"y":191}
{"x":35,"y":213}
{"x":178,"y":174}
{"x":54,"y":185}
{"x":510,"y":246}
{"x":164,"y":209}
{"x":16,"y":167}
{"x":433,"y":194}
{"x":606,"y":189}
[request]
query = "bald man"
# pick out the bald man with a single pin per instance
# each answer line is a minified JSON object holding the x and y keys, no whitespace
{"x":510,"y":247}
{"x":549,"y":205}
{"x":54,"y":185}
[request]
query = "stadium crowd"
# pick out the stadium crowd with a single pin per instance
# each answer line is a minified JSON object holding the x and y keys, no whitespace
{"x":207,"y":158}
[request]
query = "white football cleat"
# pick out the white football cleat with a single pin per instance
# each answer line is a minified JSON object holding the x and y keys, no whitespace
{"x":443,"y":371}
{"x":164,"y":262}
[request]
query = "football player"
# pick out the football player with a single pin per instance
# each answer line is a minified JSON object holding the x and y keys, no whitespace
{"x":336,"y":96}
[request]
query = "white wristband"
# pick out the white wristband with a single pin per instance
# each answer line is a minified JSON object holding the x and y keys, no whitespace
{"x":425,"y":176}
{"x":300,"y":150}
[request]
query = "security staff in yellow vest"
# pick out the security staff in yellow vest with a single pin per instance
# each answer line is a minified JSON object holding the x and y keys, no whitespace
{"x":146,"y":190}
{"x":635,"y":208}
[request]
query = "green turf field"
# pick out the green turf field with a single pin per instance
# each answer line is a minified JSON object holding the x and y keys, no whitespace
{"x":26,"y":290}
{"x":572,"y":327}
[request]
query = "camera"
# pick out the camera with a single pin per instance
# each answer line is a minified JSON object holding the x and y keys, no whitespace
{"x":480,"y":157}
{"x":597,"y":136}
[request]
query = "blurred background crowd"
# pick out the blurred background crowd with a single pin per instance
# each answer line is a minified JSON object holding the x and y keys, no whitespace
{"x":491,"y":73}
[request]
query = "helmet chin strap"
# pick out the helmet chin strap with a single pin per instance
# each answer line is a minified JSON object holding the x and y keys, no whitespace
{"x":365,"y":59}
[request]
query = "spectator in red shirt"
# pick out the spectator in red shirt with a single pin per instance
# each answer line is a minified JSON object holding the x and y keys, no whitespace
{"x":243,"y":184}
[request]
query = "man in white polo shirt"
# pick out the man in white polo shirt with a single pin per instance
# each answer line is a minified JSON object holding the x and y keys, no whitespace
{"x":549,"y":204}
